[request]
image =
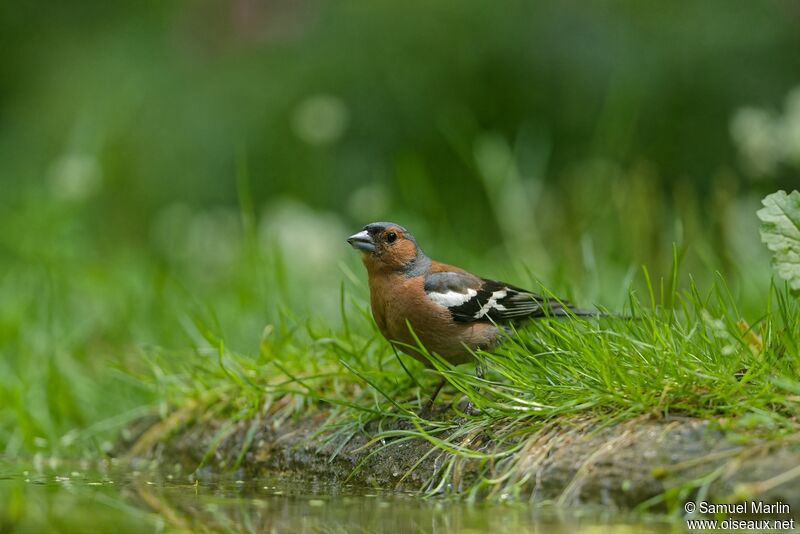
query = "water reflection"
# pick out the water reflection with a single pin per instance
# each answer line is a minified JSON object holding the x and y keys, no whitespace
{"x":109,"y":497}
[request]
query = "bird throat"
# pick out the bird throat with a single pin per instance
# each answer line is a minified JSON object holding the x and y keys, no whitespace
{"x":418,"y":266}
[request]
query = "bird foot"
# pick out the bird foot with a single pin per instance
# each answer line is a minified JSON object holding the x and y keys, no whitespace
{"x":468,"y":408}
{"x":471,"y":409}
{"x":426,"y":410}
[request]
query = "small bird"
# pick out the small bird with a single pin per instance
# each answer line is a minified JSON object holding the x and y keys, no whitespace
{"x":451,"y":311}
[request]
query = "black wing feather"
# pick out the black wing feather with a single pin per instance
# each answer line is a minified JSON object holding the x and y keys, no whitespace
{"x":499,"y":302}
{"x":495,"y":301}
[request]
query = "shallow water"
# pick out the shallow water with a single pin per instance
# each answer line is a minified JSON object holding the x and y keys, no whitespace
{"x":54,"y":496}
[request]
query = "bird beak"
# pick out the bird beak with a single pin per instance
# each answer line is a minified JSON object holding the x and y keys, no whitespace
{"x":362,"y":241}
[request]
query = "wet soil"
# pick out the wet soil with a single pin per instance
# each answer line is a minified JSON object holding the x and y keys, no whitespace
{"x":662,"y":461}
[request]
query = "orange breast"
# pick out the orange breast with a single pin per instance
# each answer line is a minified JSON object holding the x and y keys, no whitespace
{"x":398,"y":301}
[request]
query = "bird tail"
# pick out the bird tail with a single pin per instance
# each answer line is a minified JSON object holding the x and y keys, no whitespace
{"x":565,"y":309}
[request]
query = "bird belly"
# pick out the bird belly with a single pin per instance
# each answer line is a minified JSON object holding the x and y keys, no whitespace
{"x":398,"y":302}
{"x":439,"y":334}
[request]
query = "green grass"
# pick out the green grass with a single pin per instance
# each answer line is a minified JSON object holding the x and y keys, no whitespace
{"x":144,"y":269}
{"x":94,"y":336}
{"x":697,"y":357}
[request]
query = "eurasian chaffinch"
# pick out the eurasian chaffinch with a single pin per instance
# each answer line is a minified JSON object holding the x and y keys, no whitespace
{"x":450,"y":310}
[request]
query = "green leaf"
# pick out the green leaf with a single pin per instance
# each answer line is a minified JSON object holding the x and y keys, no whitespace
{"x":780,"y":230}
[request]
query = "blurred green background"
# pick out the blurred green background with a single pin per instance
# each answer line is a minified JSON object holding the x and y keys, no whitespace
{"x":167,"y":159}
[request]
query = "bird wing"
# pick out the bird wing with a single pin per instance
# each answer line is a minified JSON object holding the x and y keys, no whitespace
{"x":471,"y":299}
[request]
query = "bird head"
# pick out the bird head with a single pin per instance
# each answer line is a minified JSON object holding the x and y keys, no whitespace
{"x":387,"y":246}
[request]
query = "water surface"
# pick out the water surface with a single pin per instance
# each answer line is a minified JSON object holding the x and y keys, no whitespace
{"x":57,"y":496}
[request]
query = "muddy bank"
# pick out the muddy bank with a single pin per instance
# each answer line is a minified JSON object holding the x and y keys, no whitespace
{"x":665,"y":461}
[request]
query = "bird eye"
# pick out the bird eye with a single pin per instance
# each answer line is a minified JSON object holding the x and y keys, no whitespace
{"x":391,"y":237}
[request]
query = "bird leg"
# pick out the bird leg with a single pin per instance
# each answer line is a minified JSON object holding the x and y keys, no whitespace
{"x":471,"y":409}
{"x":426,"y":410}
{"x":479,"y":369}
